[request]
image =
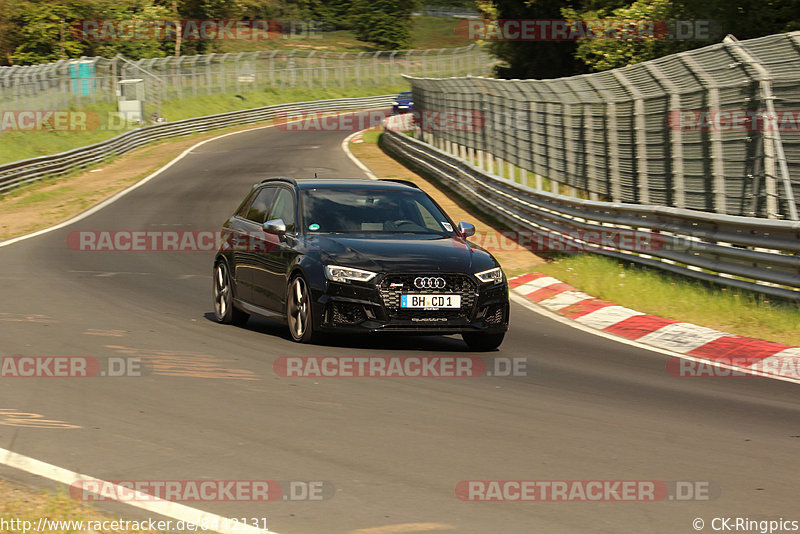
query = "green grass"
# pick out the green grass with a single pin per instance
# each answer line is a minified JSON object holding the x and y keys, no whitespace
{"x":681,"y":298}
{"x":336,"y":41}
{"x":547,"y":183}
{"x":41,"y":196}
{"x":26,"y":505}
{"x":18,"y":145}
{"x":372,"y":136}
{"x":437,"y":32}
{"x":198,"y":106}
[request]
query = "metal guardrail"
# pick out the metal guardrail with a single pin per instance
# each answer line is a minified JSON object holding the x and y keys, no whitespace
{"x":709,"y":129}
{"x":29,"y":170}
{"x":750,"y":253}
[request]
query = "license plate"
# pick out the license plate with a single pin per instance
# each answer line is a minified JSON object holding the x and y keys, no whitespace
{"x":430,"y":301}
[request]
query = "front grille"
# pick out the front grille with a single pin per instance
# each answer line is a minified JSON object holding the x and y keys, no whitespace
{"x":346,"y":313}
{"x":496,"y":316}
{"x":458,"y":284}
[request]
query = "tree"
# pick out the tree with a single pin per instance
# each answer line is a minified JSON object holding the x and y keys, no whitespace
{"x":132,"y":48}
{"x":384,"y":23}
{"x":744,"y":18}
{"x":40,"y":31}
{"x":532,"y":59}
{"x":43,"y":32}
{"x":609,"y":53}
{"x":10,"y":34}
{"x":535,"y":59}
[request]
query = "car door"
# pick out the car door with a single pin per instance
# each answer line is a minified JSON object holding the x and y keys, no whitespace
{"x":244,"y":239}
{"x":276,"y":254}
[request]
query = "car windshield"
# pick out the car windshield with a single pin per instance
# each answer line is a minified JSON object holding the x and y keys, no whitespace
{"x":404,"y":95}
{"x":372,"y":210}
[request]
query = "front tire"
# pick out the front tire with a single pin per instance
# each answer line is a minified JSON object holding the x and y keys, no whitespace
{"x":224,"y":310}
{"x":483,"y":342}
{"x":298,"y":311}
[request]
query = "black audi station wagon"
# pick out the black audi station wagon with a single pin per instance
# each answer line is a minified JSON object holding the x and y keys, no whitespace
{"x":357,"y":256}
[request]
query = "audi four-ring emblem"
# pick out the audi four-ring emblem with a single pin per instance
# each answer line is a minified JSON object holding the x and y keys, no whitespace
{"x":429,"y":282}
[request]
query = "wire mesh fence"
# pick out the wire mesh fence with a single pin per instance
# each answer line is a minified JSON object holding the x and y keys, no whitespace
{"x":91,"y":80}
{"x":714,"y":129}
{"x":449,"y":12}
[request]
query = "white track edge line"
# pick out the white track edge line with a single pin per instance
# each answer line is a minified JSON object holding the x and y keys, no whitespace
{"x":529,"y":304}
{"x":346,"y":147}
{"x":146,"y":502}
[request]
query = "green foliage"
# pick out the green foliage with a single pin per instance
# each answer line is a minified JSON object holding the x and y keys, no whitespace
{"x":43,"y":32}
{"x":134,"y":49}
{"x":531,"y":59}
{"x":384,"y":23}
{"x":335,"y":12}
{"x":604,"y":54}
{"x":465,"y":4}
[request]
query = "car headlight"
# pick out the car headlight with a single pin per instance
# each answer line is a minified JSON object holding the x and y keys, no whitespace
{"x":347,"y":274}
{"x":395,"y":103}
{"x":492,"y":275}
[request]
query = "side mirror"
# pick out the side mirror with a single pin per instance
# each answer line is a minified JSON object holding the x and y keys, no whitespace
{"x":466,"y":229}
{"x":275,"y":226}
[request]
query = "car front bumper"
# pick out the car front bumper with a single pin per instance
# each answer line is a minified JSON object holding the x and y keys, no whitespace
{"x":362,"y":308}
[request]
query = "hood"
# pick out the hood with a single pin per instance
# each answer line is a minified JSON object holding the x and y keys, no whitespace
{"x":402,"y":253}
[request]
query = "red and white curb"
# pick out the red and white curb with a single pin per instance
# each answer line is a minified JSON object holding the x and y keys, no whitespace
{"x":764,"y":358}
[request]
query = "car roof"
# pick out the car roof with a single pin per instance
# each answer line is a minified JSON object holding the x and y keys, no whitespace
{"x":344,"y":183}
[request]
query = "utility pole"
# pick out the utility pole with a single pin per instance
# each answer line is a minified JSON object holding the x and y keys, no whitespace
{"x":178,"y":28}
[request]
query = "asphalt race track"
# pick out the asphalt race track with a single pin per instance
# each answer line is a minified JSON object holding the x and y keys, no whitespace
{"x":394,"y":449}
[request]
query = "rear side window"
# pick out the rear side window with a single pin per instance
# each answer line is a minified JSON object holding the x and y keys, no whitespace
{"x":257,"y":212}
{"x":284,"y":208}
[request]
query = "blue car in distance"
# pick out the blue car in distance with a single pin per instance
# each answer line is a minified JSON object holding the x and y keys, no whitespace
{"x":404,"y":103}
